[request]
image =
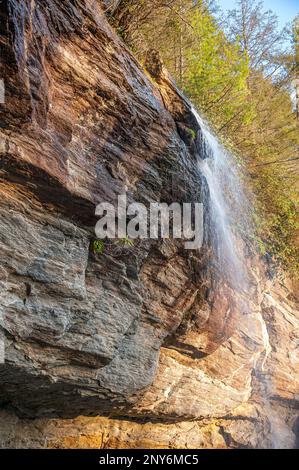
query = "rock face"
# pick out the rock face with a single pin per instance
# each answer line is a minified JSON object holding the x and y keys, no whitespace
{"x":137,"y":333}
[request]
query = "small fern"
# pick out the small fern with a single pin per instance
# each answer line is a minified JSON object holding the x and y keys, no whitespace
{"x":126,"y":241}
{"x":98,"y":246}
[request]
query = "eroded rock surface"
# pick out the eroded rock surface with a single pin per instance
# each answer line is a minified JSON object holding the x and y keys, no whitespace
{"x":136,"y":332}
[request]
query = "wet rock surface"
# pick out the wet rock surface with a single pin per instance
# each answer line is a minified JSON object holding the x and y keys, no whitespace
{"x":94,"y":127}
{"x":137,"y":333}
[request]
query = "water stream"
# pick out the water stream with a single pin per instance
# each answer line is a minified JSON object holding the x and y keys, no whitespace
{"x":228,"y":209}
{"x":228,"y":206}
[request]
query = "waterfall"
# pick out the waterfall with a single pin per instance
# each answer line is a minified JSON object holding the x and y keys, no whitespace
{"x":227,"y":205}
{"x":228,"y":210}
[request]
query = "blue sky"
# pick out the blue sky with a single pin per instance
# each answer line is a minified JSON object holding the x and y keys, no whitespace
{"x":286,"y":10}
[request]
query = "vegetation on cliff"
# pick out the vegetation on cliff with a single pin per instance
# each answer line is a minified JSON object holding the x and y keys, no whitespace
{"x":238,"y":70}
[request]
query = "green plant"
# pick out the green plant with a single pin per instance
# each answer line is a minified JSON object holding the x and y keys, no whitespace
{"x":192,"y":133}
{"x":98,"y":246}
{"x":126,"y":241}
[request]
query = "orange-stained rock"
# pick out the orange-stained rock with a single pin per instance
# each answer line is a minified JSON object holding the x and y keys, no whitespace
{"x":142,"y":334}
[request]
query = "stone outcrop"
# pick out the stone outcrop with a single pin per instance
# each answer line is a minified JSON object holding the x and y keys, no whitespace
{"x":138,"y":333}
{"x":266,"y":417}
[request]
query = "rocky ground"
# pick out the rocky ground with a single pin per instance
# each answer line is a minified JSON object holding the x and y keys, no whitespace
{"x":140,"y":339}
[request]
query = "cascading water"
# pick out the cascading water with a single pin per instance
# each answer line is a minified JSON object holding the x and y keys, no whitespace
{"x":228,"y":210}
{"x":227,"y":205}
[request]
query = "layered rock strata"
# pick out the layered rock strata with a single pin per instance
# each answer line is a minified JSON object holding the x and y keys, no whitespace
{"x":136,"y":337}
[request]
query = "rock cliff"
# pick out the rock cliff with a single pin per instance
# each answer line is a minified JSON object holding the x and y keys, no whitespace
{"x":134,"y":347}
